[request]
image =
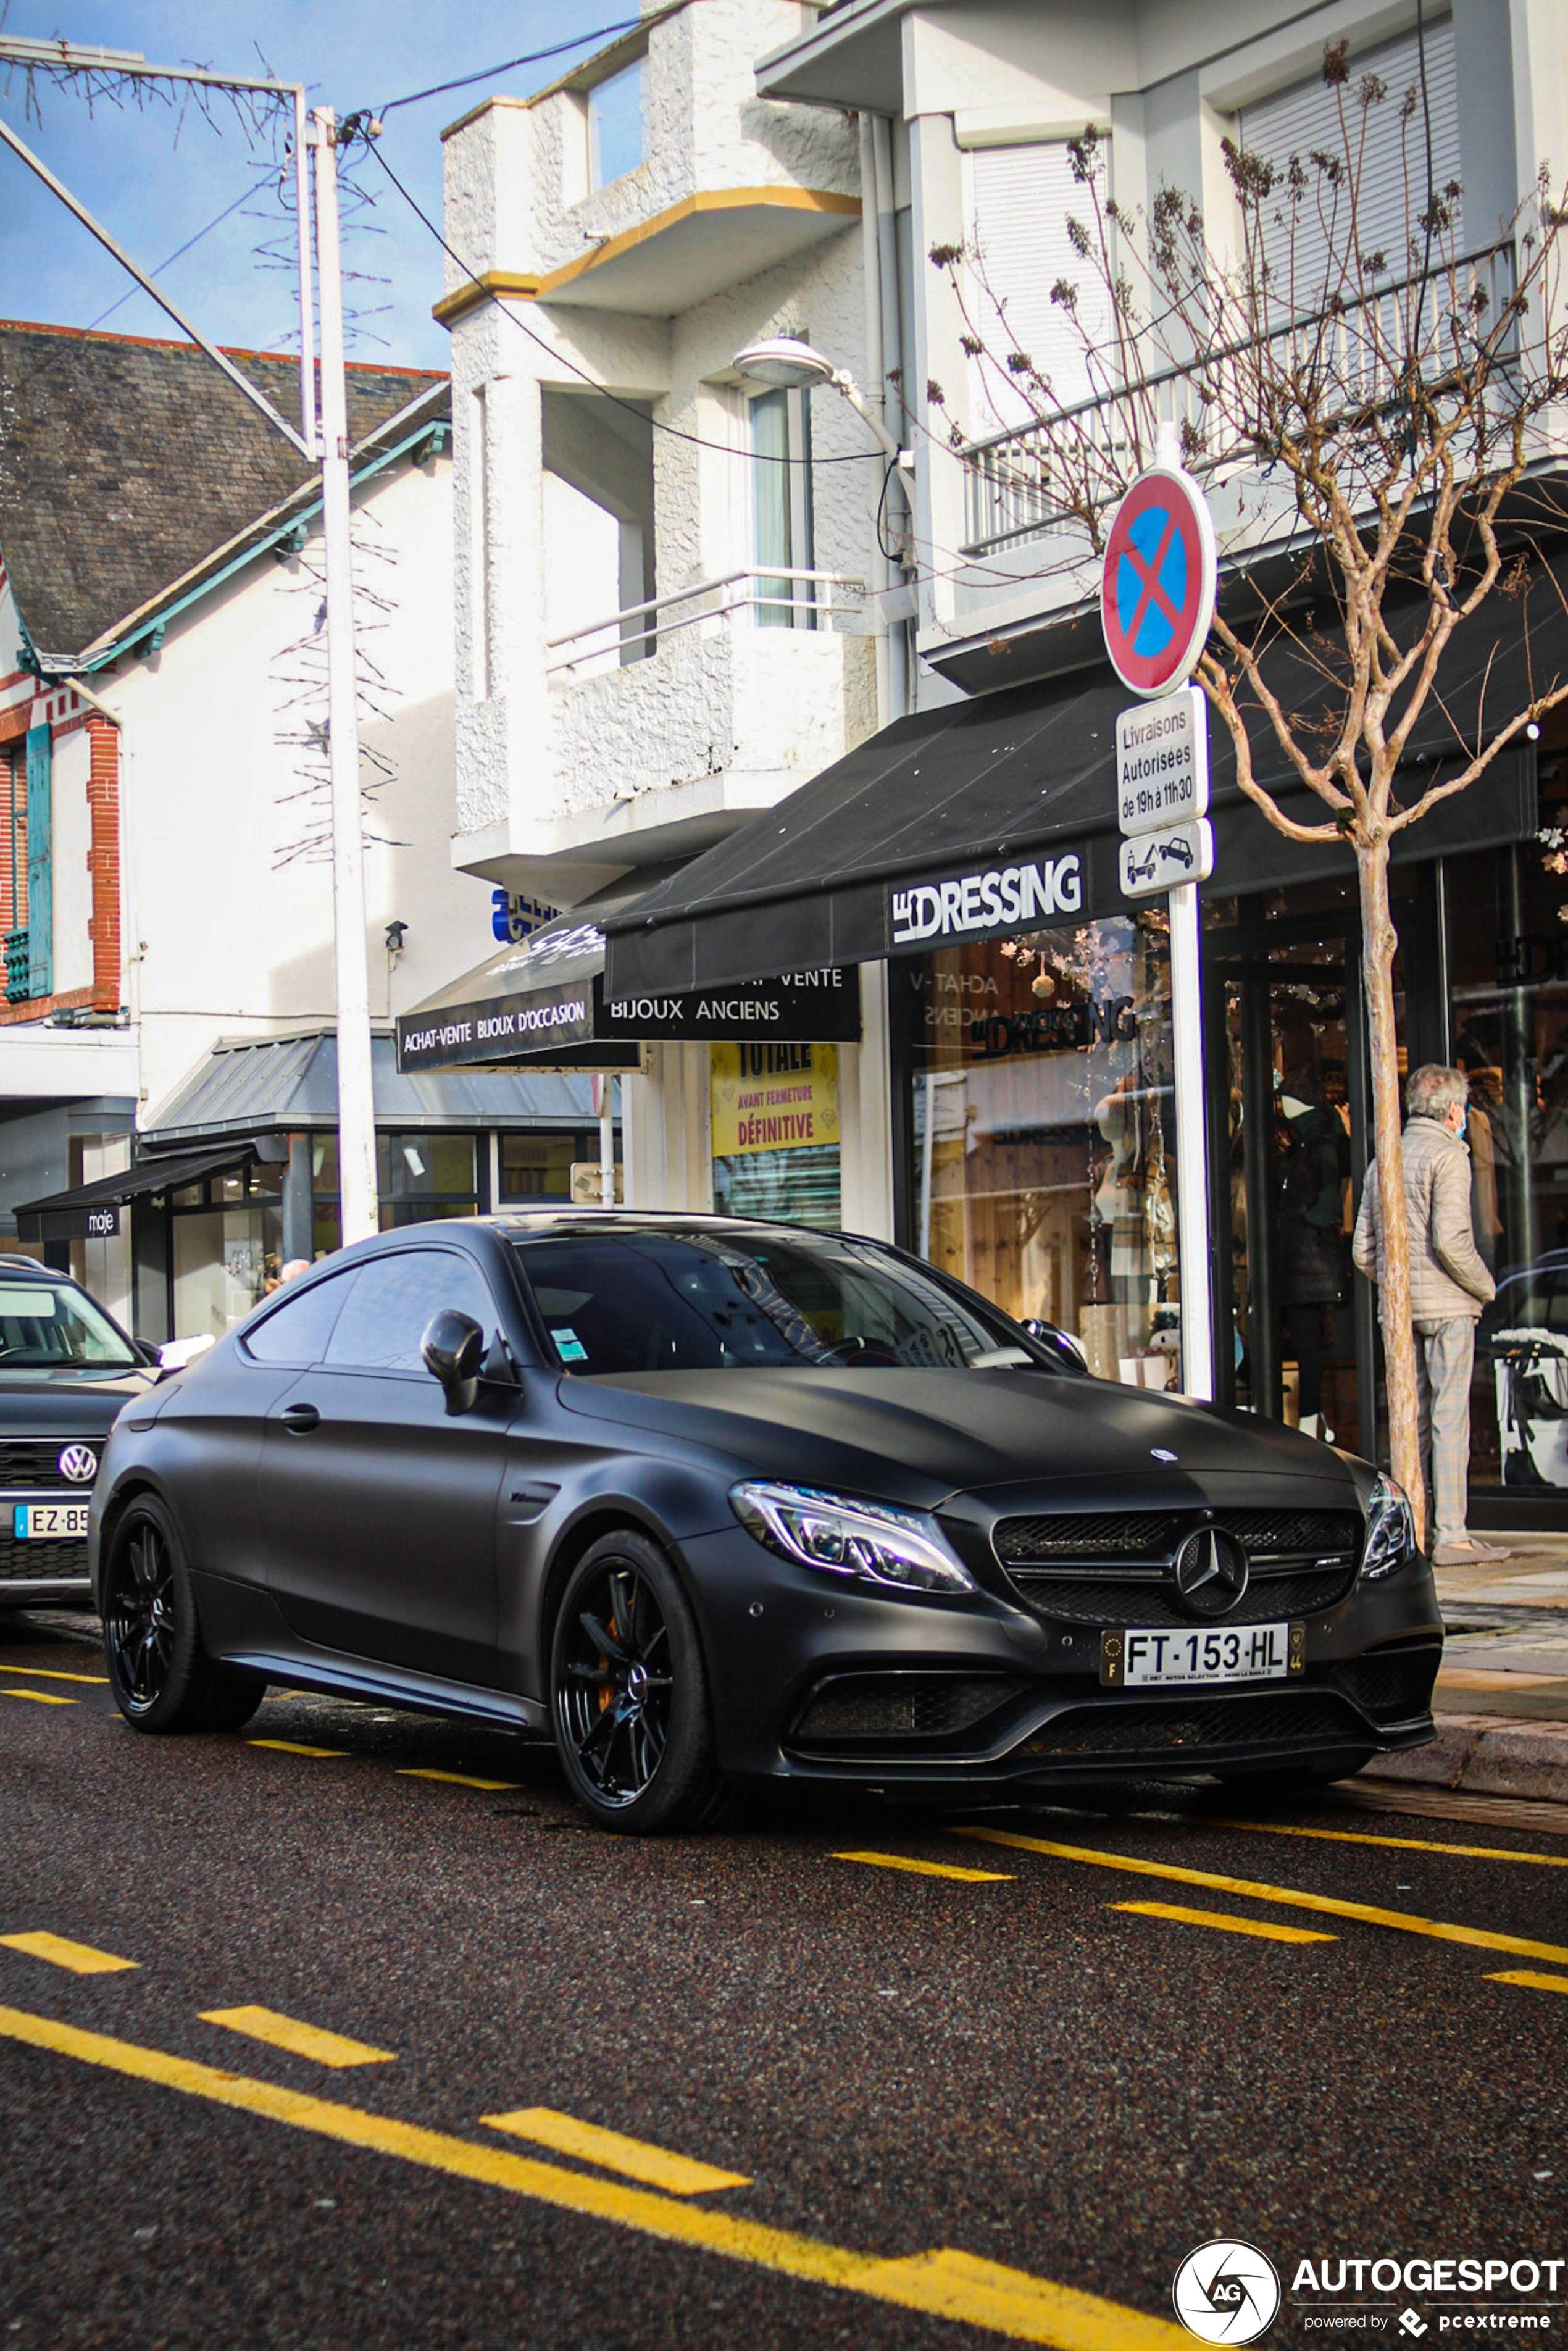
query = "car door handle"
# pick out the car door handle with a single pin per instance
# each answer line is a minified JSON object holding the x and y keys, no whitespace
{"x":301,"y":1418}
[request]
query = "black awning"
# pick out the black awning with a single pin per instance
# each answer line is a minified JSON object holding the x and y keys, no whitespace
{"x":542,"y":1004}
{"x":1014,"y":794}
{"x":69,"y":1216}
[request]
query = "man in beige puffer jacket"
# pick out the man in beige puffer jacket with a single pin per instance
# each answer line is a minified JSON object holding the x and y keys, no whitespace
{"x":1449,"y":1287}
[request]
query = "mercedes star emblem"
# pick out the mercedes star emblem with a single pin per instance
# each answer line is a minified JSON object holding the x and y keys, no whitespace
{"x":79,"y":1463}
{"x":1158,"y":1453}
{"x":1211,"y":1572}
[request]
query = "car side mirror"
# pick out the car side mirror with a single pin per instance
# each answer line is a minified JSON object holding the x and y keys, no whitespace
{"x":147,"y":1351}
{"x":453,"y":1351}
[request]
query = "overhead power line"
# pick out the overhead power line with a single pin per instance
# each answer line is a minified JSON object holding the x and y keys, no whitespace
{"x":511,"y":64}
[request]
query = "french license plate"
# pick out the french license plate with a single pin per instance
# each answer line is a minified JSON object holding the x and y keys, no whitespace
{"x":1133,"y":1659}
{"x":36,"y":1521}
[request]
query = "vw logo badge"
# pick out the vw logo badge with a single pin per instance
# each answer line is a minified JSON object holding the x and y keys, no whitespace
{"x":1211,"y":1572}
{"x":79,"y":1463}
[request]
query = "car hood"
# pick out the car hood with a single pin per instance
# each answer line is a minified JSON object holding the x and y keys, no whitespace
{"x":67,"y":1406}
{"x":916,"y":1436}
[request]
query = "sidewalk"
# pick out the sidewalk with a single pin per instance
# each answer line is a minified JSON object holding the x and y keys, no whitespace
{"x":1501,"y":1701}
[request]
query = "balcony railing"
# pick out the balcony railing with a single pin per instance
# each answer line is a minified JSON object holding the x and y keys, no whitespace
{"x":18,"y":987}
{"x":779,"y":597}
{"x":1357,"y":349}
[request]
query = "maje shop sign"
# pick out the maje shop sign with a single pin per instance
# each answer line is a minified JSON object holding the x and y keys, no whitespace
{"x":987,"y":904}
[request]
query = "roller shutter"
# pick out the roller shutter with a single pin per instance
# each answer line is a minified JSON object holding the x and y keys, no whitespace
{"x":1022,"y":199}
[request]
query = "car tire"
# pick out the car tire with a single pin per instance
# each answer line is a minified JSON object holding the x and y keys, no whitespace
{"x":160,"y":1677}
{"x":629,"y":1693}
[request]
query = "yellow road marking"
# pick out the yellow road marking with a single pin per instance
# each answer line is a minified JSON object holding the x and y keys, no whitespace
{"x":41,"y":1697}
{"x":1406,"y":1921}
{"x":456,"y":1778}
{"x":927,"y":1868}
{"x":47,"y":1673}
{"x":945,"y":2283}
{"x":1400,"y":1844}
{"x":292,"y":1747}
{"x":654,"y":2166}
{"x":1263,"y":1928}
{"x":1527,"y":1977}
{"x":302,"y":2039}
{"x":81,"y":1957}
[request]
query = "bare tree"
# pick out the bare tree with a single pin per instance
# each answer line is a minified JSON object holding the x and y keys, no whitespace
{"x":1380,"y":417}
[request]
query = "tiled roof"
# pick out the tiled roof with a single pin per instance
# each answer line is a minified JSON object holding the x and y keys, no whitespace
{"x":124,"y":463}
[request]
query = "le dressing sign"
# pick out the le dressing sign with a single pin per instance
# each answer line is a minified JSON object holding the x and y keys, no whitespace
{"x":986,"y":903}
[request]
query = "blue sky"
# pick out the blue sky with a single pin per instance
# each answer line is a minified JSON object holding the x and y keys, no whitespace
{"x":154,"y":183}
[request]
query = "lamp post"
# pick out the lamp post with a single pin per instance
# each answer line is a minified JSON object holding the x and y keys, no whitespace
{"x":784,"y":364}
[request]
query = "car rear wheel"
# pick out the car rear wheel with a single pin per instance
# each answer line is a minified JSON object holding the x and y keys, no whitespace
{"x":629,"y":1692}
{"x":160,"y":1677}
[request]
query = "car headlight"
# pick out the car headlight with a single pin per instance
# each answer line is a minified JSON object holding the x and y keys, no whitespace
{"x":1390,"y":1530}
{"x":900,"y":1550}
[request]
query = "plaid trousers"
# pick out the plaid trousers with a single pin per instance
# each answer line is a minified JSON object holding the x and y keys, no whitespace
{"x":1445,"y":1359}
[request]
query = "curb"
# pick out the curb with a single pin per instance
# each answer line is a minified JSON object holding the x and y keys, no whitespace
{"x":1485,"y":1757}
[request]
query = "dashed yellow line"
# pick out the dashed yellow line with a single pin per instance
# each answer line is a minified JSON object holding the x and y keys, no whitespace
{"x":48,"y":1674}
{"x":1398,"y":1844}
{"x":1531,"y":1981}
{"x":945,"y":2283}
{"x":454,"y":1778}
{"x":655,"y":2166}
{"x":40,"y":1698}
{"x":79,"y":1957}
{"x":927,"y":1868}
{"x":1264,"y":1928}
{"x":1404,"y":1922}
{"x":299,"y":2040}
{"x":292,"y":1747}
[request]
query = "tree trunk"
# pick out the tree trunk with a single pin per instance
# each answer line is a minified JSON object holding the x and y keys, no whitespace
{"x":1378,"y":943}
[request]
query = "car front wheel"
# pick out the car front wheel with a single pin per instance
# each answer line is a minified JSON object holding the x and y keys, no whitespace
{"x":629,"y":1692}
{"x":158,"y":1671}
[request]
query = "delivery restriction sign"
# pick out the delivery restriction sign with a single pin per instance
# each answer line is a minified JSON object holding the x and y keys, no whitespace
{"x":1156,"y":590}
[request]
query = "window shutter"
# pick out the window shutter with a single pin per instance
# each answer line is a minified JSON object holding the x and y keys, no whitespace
{"x":1306,"y":116}
{"x":1023,"y":198}
{"x":40,"y":878}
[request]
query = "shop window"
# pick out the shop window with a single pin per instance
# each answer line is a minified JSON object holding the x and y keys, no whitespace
{"x":538,"y":1166}
{"x":615,"y":125}
{"x":775,"y":1124}
{"x":781,"y":506}
{"x":1044,"y":1126}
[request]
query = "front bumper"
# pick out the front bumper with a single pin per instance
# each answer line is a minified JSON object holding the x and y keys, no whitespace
{"x":819,"y":1680}
{"x":40,"y":1574}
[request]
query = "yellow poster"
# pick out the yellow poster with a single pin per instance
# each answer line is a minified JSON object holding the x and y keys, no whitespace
{"x":773,"y":1097}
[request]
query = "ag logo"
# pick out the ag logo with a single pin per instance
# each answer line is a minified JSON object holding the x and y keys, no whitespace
{"x":1226,"y":2292}
{"x":79,"y":1463}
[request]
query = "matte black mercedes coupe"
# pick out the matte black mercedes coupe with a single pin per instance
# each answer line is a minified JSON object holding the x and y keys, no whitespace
{"x":716,"y":1502}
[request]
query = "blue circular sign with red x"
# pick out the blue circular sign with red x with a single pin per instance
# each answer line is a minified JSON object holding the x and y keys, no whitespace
{"x":1156,"y":592}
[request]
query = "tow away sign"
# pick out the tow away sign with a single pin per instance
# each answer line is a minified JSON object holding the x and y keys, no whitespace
{"x":1153,"y":861}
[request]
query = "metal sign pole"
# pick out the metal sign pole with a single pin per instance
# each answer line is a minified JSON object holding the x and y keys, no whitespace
{"x":1192,"y":1145}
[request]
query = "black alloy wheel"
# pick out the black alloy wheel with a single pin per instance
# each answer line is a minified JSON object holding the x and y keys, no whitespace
{"x":632,"y":1721}
{"x":160,"y":1675}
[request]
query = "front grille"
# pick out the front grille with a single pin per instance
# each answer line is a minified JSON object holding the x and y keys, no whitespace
{"x":899,"y":1706}
{"x":1392,"y":1689}
{"x":1217,"y":1722}
{"x":1118,"y":1600}
{"x":33,"y":1463}
{"x":1110,"y":1567}
{"x":36,"y":1561}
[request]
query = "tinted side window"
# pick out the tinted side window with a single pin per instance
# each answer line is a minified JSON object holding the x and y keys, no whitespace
{"x":391,"y":1304}
{"x":297,"y":1331}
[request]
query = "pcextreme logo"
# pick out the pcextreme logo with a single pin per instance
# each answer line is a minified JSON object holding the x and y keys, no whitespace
{"x":1226,"y":2291}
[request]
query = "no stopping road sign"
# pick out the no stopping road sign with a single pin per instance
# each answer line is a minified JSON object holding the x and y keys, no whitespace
{"x":1157,"y":589}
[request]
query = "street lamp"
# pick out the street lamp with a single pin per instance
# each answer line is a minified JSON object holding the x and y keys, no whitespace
{"x":785,"y":364}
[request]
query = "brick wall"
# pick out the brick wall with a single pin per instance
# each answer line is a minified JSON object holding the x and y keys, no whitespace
{"x":103,"y":862}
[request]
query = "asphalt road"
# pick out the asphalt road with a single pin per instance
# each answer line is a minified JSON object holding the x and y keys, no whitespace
{"x":1060,"y":2096}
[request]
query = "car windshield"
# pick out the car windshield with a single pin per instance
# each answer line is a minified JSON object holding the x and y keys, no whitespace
{"x":47,"y":1328}
{"x":661,"y":1299}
